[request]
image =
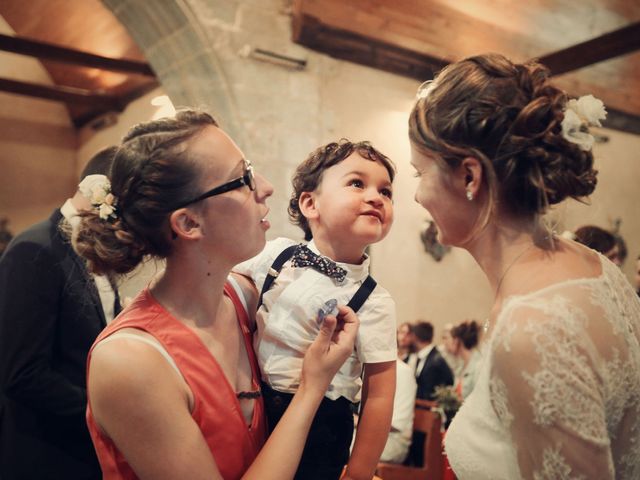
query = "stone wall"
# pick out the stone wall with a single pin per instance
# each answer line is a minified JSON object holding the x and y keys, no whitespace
{"x":278,"y":115}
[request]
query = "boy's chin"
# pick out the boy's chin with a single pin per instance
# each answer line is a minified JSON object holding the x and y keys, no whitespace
{"x":367,"y":239}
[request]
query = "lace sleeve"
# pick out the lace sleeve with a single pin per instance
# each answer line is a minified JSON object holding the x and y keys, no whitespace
{"x":547,"y":391}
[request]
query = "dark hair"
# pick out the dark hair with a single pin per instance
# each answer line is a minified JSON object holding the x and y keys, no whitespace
{"x":152,"y":172}
{"x":623,"y":251}
{"x":423,"y":331}
{"x":100,"y":163}
{"x":467,"y":332}
{"x":309,"y":173}
{"x":508,"y":117}
{"x":5,"y":234}
{"x":596,"y":238}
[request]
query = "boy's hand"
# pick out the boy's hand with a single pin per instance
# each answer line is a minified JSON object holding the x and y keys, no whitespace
{"x":330,"y":349}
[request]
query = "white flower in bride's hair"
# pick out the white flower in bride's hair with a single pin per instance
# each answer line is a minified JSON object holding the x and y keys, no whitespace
{"x":105,"y":210}
{"x":586,"y":111}
{"x":572,"y":122}
{"x":590,"y":109}
{"x":425,"y":89}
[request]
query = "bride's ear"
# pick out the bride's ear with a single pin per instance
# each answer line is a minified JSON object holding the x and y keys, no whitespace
{"x":471,"y":171}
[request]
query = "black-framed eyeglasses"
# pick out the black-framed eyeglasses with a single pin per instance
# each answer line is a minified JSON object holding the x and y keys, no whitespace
{"x":247,"y":179}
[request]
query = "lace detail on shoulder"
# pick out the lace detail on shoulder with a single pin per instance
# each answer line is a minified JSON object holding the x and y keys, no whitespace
{"x":621,"y":313}
{"x":559,"y":395}
{"x":564,"y":384}
{"x":500,"y":401}
{"x":555,"y":467}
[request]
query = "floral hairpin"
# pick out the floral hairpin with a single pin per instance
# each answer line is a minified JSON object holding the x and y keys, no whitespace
{"x":425,"y":89}
{"x":97,"y":189}
{"x":586,"y":111}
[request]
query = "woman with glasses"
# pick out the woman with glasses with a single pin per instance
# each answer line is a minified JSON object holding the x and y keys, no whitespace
{"x":173,"y":384}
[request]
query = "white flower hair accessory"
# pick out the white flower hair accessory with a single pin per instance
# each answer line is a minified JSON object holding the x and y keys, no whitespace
{"x":425,"y":89}
{"x":586,"y":111}
{"x":97,"y":189}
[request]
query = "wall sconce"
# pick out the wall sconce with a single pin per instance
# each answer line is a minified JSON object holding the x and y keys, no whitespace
{"x":272,"y":57}
{"x":429,"y":238}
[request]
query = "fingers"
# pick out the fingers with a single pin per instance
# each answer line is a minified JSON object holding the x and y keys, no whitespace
{"x":348,"y":321}
{"x":326,"y":331}
{"x":347,"y":317}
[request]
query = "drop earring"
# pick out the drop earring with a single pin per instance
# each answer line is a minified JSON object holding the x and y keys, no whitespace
{"x":469,"y":195}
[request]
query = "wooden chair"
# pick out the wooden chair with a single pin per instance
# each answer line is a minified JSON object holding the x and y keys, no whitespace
{"x":429,"y":422}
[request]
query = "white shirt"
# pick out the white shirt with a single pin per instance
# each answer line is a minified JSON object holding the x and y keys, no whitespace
{"x":399,"y":440}
{"x":105,"y":290}
{"x":287,"y":321}
{"x":420,"y":357}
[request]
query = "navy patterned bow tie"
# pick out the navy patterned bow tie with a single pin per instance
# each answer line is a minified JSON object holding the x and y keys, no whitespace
{"x":303,"y":257}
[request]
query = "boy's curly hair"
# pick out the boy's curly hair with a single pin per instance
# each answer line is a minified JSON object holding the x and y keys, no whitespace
{"x":308,"y":175}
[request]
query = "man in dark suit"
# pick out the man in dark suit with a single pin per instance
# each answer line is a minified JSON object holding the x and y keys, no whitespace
{"x":431,"y":370}
{"x":50,"y":313}
{"x":430,"y":366}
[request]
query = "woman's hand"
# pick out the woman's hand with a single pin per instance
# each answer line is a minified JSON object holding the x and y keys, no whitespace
{"x":330,"y":349}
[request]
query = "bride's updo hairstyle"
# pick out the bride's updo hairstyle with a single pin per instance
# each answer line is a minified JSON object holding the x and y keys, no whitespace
{"x":509,"y":117}
{"x":151,"y":173}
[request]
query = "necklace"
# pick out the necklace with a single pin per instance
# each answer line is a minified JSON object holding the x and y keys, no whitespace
{"x":485,"y":326}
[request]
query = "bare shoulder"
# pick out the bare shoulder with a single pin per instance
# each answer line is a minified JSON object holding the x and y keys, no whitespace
{"x":126,"y":371}
{"x":566,"y":262}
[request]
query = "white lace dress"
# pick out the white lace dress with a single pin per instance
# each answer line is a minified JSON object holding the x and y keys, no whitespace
{"x":558,"y":394}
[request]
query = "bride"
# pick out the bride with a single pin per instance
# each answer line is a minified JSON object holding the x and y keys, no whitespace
{"x":558,"y":394}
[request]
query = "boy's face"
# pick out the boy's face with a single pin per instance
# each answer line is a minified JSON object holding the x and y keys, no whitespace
{"x":353,"y":202}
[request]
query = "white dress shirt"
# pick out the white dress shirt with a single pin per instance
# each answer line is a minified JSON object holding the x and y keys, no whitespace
{"x":105,"y":290}
{"x":399,"y":440}
{"x":287,"y":321}
{"x":420,"y":357}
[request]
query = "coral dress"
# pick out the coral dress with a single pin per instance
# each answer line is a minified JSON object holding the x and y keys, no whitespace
{"x":233,"y":444}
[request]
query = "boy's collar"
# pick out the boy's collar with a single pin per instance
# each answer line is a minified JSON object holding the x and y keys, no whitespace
{"x":355,"y":272}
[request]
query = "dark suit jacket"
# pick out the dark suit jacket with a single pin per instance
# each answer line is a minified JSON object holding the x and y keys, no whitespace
{"x":434,"y":373}
{"x":50,"y":314}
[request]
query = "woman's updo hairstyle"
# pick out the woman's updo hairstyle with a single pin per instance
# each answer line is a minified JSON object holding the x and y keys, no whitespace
{"x":509,"y":117}
{"x":468,"y":332}
{"x":151,"y":174}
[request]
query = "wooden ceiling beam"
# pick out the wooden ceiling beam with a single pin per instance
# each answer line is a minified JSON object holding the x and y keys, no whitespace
{"x":353,"y":47}
{"x":619,"y":42}
{"x":63,"y":94}
{"x":48,"y":51}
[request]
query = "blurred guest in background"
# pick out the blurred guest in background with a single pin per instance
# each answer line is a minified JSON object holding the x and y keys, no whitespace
{"x":51,"y":311}
{"x":431,"y":369}
{"x":405,"y":341}
{"x":465,"y":339}
{"x":600,"y":240}
{"x":448,"y":351}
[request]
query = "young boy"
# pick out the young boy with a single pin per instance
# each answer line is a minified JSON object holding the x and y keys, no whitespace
{"x":342,"y":200}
